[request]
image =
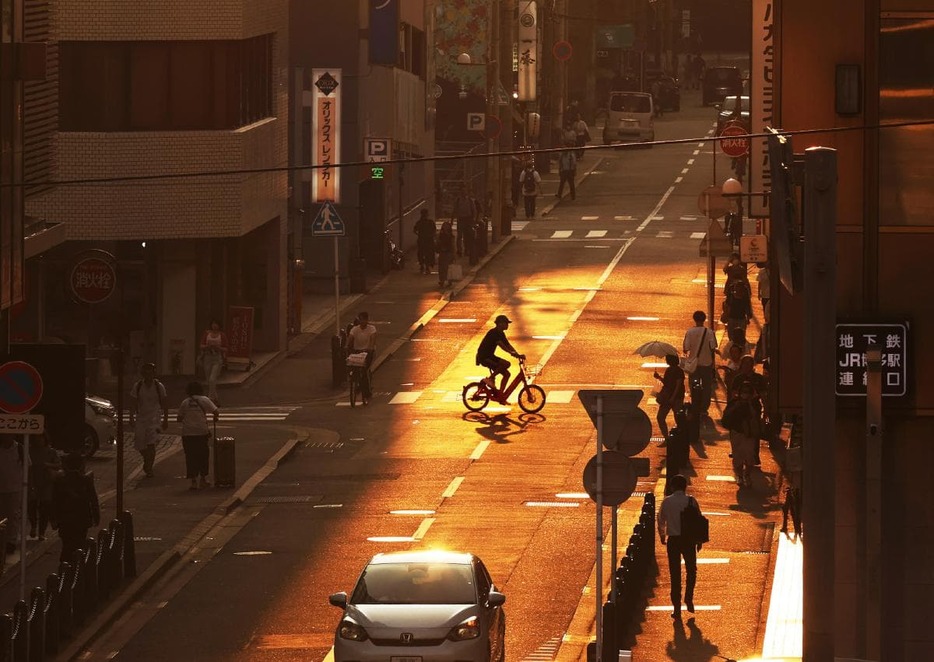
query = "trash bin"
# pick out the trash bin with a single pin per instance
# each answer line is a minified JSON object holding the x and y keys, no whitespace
{"x":225,"y":462}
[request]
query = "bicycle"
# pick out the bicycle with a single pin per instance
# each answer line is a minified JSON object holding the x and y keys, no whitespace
{"x":477,"y":395}
{"x":355,"y":376}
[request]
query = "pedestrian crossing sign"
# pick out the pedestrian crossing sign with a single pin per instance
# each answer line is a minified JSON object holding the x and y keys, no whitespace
{"x":327,"y":223}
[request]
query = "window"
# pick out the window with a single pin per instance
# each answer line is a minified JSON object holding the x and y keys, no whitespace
{"x":165,"y":86}
{"x":412,"y":47}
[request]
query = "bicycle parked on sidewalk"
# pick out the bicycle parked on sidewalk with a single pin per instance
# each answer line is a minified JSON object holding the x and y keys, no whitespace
{"x":477,"y":395}
{"x":358,"y":376}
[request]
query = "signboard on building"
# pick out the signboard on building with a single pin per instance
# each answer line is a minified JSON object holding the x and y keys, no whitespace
{"x":384,"y":32}
{"x":326,"y":135}
{"x":761,"y":102}
{"x":754,"y":248}
{"x":853,"y":340}
{"x":93,"y":280}
{"x":528,"y":50}
{"x":240,"y":337}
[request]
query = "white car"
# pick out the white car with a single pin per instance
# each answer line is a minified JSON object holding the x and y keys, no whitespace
{"x":421,"y":606}
{"x":630,"y":118}
{"x":100,"y":424}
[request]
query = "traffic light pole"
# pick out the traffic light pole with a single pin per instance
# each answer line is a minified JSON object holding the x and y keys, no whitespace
{"x":598,"y":539}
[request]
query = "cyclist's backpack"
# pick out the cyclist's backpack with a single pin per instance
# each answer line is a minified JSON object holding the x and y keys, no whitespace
{"x":695,"y":528}
{"x":528,"y":184}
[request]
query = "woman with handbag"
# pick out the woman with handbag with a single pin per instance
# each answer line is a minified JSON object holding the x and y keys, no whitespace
{"x":193,"y":415}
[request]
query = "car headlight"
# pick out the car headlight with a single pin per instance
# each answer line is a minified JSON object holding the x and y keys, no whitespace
{"x":102,"y":410}
{"x":350,"y":630}
{"x":469,"y":629}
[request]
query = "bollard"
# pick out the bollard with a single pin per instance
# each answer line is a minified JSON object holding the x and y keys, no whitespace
{"x":35,"y":618}
{"x":53,"y":632}
{"x":610,"y":650}
{"x":78,"y":589}
{"x":66,"y":608}
{"x":338,"y":369}
{"x":6,"y":637}
{"x":20,"y":632}
{"x":129,"y":544}
{"x":98,"y":565}
{"x":115,"y":560}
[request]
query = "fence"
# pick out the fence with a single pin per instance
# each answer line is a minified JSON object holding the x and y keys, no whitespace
{"x":35,"y":629}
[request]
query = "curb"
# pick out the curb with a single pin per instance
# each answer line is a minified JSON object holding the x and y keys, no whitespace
{"x":439,"y":306}
{"x":170,"y":557}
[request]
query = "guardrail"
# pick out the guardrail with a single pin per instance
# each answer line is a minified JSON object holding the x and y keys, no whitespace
{"x":35,"y":629}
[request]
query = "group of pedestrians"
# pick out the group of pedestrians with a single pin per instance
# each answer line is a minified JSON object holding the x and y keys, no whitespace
{"x":453,"y":240}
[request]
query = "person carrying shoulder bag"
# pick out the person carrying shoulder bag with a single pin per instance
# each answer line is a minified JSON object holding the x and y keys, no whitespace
{"x":193,"y":415}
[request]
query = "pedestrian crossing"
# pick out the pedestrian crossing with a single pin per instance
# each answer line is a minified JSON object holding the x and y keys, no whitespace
{"x":247,"y":414}
{"x":443,"y":396}
{"x":619,"y":235}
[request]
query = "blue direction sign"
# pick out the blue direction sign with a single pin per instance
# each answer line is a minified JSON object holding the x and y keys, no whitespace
{"x":327,"y":223}
{"x":20,"y":387}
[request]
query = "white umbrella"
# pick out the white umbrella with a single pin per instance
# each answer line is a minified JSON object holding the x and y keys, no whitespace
{"x":656,"y":348}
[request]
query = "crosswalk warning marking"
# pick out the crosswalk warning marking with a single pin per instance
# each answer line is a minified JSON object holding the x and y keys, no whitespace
{"x":562,"y":234}
{"x":596,"y":233}
{"x":698,"y":235}
{"x":559,"y":397}
{"x":664,"y":234}
{"x":624,"y":218}
{"x":405,"y":397}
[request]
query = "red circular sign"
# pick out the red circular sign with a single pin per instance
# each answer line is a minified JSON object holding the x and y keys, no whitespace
{"x":562,"y":50}
{"x":20,"y":387}
{"x":493,"y":127}
{"x":93,"y":280}
{"x":735,"y":141}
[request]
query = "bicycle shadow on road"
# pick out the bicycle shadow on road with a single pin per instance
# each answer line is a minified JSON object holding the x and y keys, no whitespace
{"x":498,"y":428}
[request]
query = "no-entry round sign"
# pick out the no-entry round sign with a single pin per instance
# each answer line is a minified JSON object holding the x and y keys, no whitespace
{"x":735,"y":141}
{"x":93,"y":280}
{"x":562,"y":50}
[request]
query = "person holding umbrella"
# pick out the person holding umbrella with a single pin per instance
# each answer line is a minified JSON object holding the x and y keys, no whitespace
{"x":671,"y":397}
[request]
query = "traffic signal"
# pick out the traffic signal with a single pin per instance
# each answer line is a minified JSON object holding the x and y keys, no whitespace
{"x":783,"y":213}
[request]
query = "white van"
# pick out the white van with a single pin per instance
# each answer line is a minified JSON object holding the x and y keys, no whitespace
{"x":630,"y":118}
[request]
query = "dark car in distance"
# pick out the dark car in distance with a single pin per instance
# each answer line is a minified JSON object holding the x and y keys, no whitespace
{"x":734,"y":108}
{"x":720,"y":82}
{"x":669,"y":93}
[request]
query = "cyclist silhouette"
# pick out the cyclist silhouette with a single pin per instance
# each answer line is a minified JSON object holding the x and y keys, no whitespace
{"x":486,"y":353}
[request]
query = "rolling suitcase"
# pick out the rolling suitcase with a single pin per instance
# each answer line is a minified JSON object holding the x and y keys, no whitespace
{"x":225,"y":461}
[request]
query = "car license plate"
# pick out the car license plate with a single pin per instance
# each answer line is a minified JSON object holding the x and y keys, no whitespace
{"x":630,"y":124}
{"x":405,"y":659}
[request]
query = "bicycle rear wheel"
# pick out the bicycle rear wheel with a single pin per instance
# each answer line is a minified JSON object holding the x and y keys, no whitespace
{"x":531,"y":398}
{"x":476,"y":396}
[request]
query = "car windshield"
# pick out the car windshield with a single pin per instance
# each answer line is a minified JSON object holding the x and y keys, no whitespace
{"x":630,"y":103}
{"x":416,"y":584}
{"x":725,"y":75}
{"x":730,"y":104}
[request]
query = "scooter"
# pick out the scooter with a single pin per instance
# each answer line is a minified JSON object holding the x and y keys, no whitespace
{"x":396,"y":256}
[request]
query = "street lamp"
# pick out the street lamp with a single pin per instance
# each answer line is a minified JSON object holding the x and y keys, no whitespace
{"x":733,"y":189}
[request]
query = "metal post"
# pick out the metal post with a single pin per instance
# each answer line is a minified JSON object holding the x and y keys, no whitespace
{"x":819,"y":490}
{"x":614,"y":550}
{"x":492,"y":109}
{"x":873,"y":627}
{"x":711,"y":269}
{"x":401,"y":204}
{"x":598,"y":592}
{"x":120,"y":404}
{"x":337,"y":291}
{"x":24,"y":520}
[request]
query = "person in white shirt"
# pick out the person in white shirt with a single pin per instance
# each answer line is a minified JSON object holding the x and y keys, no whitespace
{"x":150,"y":400}
{"x":193,"y":415}
{"x":701,"y":342}
{"x":669,"y":532}
{"x":362,"y":338}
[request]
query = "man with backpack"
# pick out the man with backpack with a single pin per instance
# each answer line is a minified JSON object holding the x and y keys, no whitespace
{"x":529,"y":181}
{"x":567,"y":169}
{"x":150,"y":399}
{"x":683,"y":530}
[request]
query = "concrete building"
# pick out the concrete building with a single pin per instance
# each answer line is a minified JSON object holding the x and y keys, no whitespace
{"x":873,"y":67}
{"x":160,"y":136}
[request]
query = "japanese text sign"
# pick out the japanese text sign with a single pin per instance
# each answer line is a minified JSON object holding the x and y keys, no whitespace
{"x":326,"y":135}
{"x":853,"y":340}
{"x":93,"y":280}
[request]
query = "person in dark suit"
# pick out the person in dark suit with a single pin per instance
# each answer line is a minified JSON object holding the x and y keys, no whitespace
{"x":669,"y":532}
{"x":75,"y":505}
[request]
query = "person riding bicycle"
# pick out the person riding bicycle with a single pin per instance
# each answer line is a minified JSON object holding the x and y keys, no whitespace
{"x":362,"y":338}
{"x":486,"y":353}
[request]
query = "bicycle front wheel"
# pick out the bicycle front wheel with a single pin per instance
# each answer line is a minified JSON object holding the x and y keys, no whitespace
{"x":532,"y":398}
{"x":353,"y":388}
{"x":475,"y":396}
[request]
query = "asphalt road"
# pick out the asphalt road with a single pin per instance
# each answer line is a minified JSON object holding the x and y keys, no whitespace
{"x":584,"y":286}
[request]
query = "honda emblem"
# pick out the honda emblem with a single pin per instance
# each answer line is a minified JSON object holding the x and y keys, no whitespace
{"x":406,"y":637}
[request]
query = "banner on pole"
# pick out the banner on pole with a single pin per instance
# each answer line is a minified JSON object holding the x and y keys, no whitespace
{"x":762,"y":102}
{"x":326,"y":135}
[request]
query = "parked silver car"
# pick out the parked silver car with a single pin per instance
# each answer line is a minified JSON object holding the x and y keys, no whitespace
{"x":100,"y":424}
{"x":421,"y":605}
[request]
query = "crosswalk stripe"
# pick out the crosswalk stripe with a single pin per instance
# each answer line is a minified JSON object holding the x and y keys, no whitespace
{"x":624,"y":218}
{"x":698,"y":235}
{"x":405,"y":397}
{"x":562,"y":234}
{"x":664,"y":234}
{"x":589,"y":218}
{"x":559,"y":397}
{"x":519,"y":225}
{"x":596,"y":233}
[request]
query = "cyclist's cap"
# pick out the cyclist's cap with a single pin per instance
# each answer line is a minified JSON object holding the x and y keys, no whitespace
{"x":503,"y":318}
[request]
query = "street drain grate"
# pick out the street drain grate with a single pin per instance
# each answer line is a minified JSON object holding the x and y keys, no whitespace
{"x":288,"y":499}
{"x":754,"y":551}
{"x":328,"y":446}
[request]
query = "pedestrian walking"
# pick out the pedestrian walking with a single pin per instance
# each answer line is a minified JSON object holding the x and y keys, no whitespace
{"x":149,"y":402}
{"x":213,"y":356}
{"x":791,"y":471}
{"x":75,"y":505}
{"x":11,"y":493}
{"x":764,"y":288}
{"x":735,"y":270}
{"x":464,"y":212}
{"x":582,"y":135}
{"x":445,"y":249}
{"x":567,"y":170}
{"x":700,"y":346}
{"x":193,"y":415}
{"x":678,"y":546}
{"x":742,"y":418}
{"x":44,"y":466}
{"x":671,"y":396}
{"x":738,"y":311}
{"x":530,"y":181}
{"x":425,"y":230}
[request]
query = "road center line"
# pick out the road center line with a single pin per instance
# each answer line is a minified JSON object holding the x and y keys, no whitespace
{"x":423,"y":528}
{"x":654,"y":212}
{"x":478,"y":451}
{"x":452,"y":487}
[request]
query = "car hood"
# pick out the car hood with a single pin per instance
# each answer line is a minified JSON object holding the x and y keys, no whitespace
{"x":388,"y":620}
{"x":98,"y":401}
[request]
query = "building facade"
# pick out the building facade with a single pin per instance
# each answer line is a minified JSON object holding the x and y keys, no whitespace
{"x":160,"y":137}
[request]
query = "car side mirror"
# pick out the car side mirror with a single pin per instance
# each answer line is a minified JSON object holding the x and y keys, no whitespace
{"x":495,"y":599}
{"x":338,"y":599}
